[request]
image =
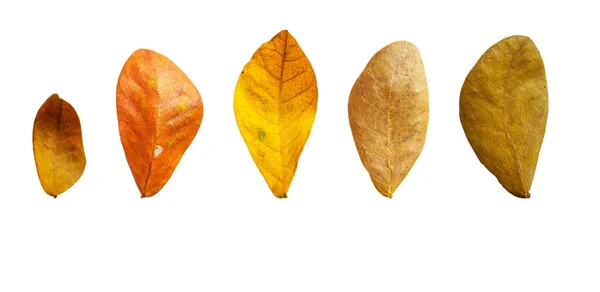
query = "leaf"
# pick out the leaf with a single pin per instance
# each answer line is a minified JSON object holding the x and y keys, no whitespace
{"x":159,"y":111}
{"x":503,"y":110}
{"x":275,"y":103}
{"x":58,"y":146}
{"x":388,"y":111}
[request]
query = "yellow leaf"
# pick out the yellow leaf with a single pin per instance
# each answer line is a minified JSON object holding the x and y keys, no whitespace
{"x":388,"y":111}
{"x":503,"y":110}
{"x":275,"y":103}
{"x":58,"y":146}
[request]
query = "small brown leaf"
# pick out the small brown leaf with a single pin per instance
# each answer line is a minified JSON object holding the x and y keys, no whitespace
{"x":503,"y":110}
{"x":58,"y":146}
{"x":159,"y":111}
{"x":388,"y":111}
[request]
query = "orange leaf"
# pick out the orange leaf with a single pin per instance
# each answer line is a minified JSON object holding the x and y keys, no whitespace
{"x":58,"y":146}
{"x":159,"y":111}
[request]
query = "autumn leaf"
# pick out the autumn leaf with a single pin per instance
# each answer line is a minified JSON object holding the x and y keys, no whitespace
{"x":58,"y":146}
{"x":159,"y":112}
{"x":275,"y":103}
{"x":388,"y":111}
{"x":503,"y":110}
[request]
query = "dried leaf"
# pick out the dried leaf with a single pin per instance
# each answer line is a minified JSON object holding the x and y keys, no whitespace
{"x":58,"y":146}
{"x":503,"y":110}
{"x":388,"y":111}
{"x":275,"y":103}
{"x":159,"y":111}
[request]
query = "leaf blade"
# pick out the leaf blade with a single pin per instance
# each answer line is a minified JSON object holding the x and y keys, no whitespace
{"x":58,"y":146}
{"x":388,"y":111}
{"x":275,"y":104}
{"x":159,"y":112}
{"x":505,"y":99}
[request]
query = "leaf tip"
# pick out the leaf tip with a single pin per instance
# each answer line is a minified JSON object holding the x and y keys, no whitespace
{"x":519,"y":37}
{"x":404,"y":43}
{"x":148,"y":194}
{"x":525,"y":195}
{"x":403,"y":46}
{"x":142,"y":51}
{"x":284,"y":34}
{"x":53,"y":99}
{"x":388,"y":193}
{"x":145,"y":54}
{"x":50,"y":192}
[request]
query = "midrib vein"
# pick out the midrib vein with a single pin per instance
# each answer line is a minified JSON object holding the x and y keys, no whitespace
{"x":156,"y":122}
{"x":285,"y":40}
{"x":389,"y":129}
{"x":59,"y":119}
{"x":508,"y":96}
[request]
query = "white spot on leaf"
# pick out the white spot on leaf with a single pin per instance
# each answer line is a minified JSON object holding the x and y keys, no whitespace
{"x":157,"y":150}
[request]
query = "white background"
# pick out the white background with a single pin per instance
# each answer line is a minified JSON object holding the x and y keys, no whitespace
{"x":216,"y":226}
